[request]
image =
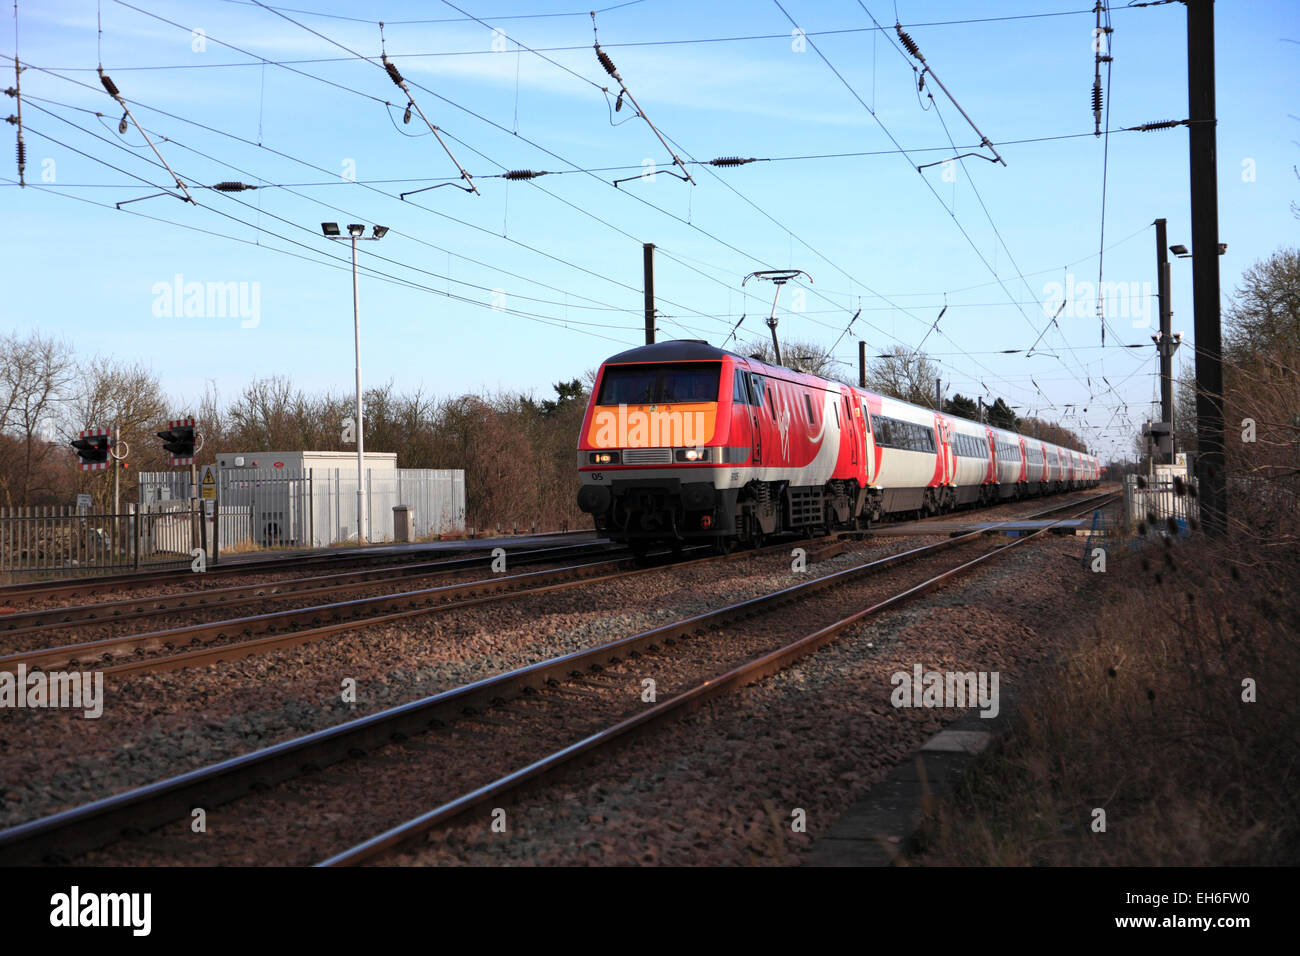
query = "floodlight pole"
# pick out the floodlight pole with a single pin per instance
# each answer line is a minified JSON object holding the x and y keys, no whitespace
{"x":355,"y":233}
{"x":362,"y":530}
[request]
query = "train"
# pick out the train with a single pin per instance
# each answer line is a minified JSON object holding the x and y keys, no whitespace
{"x":683,"y":442}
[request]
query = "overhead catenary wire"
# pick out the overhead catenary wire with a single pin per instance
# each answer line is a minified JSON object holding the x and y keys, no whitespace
{"x":608,"y":64}
{"x":111,"y":88}
{"x":450,"y":102}
{"x":447,"y":216}
{"x":874,"y":114}
{"x":395,"y":75}
{"x":576,"y":171}
{"x":318,"y":256}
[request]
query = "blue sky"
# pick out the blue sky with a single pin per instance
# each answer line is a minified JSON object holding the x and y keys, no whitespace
{"x":560,"y":256}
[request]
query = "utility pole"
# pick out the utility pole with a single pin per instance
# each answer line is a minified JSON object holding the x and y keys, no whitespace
{"x":648,"y":263}
{"x":862,"y":364}
{"x":1211,"y":466}
{"x":1165,"y":344}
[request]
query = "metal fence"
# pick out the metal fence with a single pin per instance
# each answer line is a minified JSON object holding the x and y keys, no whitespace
{"x":435,"y":497}
{"x":1160,"y":506}
{"x":59,"y":542}
{"x":317,"y":507}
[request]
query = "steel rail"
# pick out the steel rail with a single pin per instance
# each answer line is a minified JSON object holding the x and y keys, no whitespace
{"x":65,"y":834}
{"x":131,"y":609}
{"x":676,"y":706}
{"x":93,"y":584}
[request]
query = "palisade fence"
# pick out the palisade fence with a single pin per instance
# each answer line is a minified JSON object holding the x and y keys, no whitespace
{"x":60,"y":542}
{"x":1162,"y":505}
{"x":317,"y":507}
{"x":257,"y":508}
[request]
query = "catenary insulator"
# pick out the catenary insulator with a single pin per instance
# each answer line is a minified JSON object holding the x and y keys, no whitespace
{"x":606,"y":62}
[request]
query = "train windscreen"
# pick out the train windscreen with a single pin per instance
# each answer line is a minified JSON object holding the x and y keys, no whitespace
{"x":660,"y":384}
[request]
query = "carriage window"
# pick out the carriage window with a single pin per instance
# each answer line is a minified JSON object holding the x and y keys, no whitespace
{"x":808,"y":404}
{"x":837,"y":416}
{"x":771,"y":402}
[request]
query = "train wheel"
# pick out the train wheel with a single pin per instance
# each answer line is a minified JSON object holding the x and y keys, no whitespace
{"x":723,"y":546}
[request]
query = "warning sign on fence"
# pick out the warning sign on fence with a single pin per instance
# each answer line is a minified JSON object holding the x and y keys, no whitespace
{"x":208,"y":486}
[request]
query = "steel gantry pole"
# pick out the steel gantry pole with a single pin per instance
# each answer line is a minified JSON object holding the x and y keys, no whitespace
{"x":1211,"y":466}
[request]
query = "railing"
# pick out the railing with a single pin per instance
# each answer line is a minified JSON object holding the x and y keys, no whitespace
{"x":1160,"y":506}
{"x":59,"y":542}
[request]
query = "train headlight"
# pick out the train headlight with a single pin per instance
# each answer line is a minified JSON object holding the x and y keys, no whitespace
{"x":603,"y":458}
{"x":693,"y":454}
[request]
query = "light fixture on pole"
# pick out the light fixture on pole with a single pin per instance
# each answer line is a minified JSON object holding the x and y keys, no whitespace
{"x":1182,"y":252}
{"x":357,"y":231}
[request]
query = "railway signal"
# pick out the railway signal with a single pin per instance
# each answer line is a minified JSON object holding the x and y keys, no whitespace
{"x":93,"y":448}
{"x":179,"y":440}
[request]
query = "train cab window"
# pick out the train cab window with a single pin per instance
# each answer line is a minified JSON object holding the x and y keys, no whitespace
{"x":756,"y":389}
{"x":771,"y":402}
{"x":739,"y":389}
{"x":662,"y":384}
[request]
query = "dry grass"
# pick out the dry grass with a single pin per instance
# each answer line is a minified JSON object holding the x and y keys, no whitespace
{"x":1146,"y":720}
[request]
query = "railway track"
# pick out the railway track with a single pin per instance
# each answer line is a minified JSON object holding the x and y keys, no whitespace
{"x":374,"y":556}
{"x":547,"y":693}
{"x":226,"y":639}
{"x":130,"y":609}
{"x":235,"y":638}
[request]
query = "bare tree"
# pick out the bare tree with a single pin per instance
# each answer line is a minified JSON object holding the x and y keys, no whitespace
{"x":1264,"y":314}
{"x":129,"y":398}
{"x":34,"y":376}
{"x":800,"y":356}
{"x":903,"y":374}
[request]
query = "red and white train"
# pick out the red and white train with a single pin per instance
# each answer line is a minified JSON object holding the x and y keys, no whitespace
{"x":685,"y":442}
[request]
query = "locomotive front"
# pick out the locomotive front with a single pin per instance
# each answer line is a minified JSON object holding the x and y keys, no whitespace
{"x":652,"y":440}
